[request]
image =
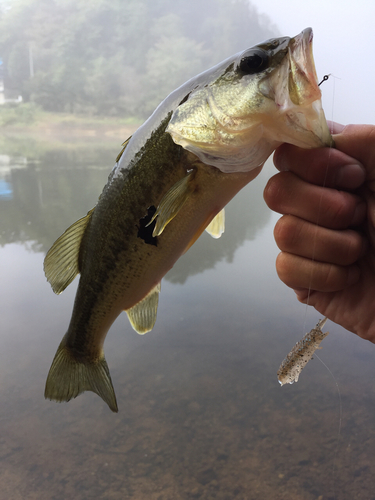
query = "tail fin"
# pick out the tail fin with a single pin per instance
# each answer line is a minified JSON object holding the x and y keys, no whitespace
{"x":69,"y":377}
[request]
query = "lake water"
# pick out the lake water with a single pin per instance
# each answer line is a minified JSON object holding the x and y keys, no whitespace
{"x":201,"y":414}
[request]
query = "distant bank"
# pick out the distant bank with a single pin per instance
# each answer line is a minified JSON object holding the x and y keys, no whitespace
{"x":28,"y":120}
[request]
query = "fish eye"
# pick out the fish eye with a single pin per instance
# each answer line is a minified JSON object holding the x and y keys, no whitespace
{"x":253,"y":62}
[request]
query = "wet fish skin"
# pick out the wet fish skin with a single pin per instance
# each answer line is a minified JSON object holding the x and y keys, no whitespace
{"x":203,"y":144}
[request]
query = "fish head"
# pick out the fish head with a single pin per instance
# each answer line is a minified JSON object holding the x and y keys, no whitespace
{"x":241,"y":110}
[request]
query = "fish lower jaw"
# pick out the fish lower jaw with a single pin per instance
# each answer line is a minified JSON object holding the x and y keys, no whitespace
{"x":305,"y":127}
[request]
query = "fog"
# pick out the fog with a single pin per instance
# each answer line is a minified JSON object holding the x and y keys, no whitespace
{"x":119,"y":58}
{"x":123,"y":58}
{"x":344,"y":38}
{"x":201,"y":413}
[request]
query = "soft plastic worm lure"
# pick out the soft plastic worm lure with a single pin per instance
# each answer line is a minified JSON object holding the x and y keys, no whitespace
{"x":301,"y":354}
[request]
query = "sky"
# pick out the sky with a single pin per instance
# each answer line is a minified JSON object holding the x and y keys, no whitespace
{"x":344,"y":43}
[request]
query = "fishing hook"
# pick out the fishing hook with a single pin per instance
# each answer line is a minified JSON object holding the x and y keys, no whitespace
{"x":325,"y":78}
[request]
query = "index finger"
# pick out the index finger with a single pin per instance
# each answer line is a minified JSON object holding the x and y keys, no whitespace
{"x":323,"y":166}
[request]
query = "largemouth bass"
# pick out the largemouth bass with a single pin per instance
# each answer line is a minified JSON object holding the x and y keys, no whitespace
{"x":171,"y":181}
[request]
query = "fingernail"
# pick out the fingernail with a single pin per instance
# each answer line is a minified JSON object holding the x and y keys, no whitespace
{"x":353,"y":275}
{"x":351,"y":176}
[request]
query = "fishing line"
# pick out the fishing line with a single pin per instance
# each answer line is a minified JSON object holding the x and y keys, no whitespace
{"x":325,"y":78}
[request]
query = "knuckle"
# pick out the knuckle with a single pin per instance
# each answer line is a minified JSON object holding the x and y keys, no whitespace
{"x":274,"y":192}
{"x":288,"y":233}
{"x":283,"y":268}
{"x":340,"y":210}
{"x":331,"y":278}
{"x":352,"y":248}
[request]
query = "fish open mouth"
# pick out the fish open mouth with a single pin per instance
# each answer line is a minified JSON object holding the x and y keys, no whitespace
{"x":305,"y":111}
{"x":303,"y":80}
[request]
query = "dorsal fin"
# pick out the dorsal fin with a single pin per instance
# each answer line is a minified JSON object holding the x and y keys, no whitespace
{"x":172,"y":203}
{"x":217,"y":226}
{"x":142,"y":316}
{"x":61,"y":261}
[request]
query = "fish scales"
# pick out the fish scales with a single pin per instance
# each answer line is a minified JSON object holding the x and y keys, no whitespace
{"x":119,"y":211}
{"x":171,"y":181}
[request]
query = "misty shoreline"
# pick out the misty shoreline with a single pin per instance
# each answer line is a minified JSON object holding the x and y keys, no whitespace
{"x":63,"y":125}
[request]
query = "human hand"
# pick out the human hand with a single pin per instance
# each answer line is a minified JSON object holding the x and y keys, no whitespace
{"x":327,"y":235}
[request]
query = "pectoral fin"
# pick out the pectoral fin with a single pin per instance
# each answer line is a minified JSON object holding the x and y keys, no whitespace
{"x":142,"y":316}
{"x":61,"y":261}
{"x":172,"y":203}
{"x":217,"y":226}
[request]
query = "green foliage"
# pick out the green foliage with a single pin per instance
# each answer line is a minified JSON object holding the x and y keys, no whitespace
{"x":118,"y":57}
{"x":11,"y":114}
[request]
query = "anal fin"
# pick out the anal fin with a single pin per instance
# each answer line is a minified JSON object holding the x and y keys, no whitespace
{"x":142,"y":316}
{"x":217,"y":226}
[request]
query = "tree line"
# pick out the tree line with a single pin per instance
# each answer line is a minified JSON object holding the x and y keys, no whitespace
{"x":118,"y":57}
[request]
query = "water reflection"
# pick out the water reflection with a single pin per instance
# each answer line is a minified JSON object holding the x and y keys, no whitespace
{"x":51,"y":190}
{"x":48,"y":194}
{"x":201,"y":415}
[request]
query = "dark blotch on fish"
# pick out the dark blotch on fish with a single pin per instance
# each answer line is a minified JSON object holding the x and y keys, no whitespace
{"x":145,"y":228}
{"x":185,"y":99}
